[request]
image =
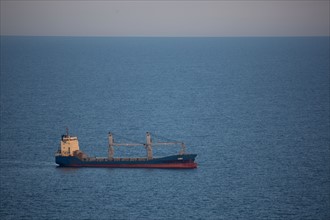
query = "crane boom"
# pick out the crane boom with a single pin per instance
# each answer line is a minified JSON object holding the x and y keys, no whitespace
{"x":127,"y":145}
{"x":147,"y":145}
{"x":167,"y":143}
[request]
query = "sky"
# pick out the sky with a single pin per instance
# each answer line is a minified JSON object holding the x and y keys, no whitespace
{"x":165,"y":18}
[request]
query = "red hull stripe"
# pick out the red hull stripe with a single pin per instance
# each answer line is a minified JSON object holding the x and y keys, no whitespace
{"x":171,"y":165}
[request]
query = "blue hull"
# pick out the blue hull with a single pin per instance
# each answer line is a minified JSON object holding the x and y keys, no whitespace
{"x":174,"y":161}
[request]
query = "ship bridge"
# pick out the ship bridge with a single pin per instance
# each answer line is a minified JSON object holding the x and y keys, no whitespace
{"x":69,"y":144}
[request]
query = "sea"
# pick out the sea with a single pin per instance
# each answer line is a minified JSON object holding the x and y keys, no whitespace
{"x":255,"y":110}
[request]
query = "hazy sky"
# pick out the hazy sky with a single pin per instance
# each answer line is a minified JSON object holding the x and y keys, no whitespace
{"x":166,"y":18}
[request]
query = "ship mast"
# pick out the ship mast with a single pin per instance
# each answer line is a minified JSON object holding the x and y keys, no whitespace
{"x":149,"y":146}
{"x":111,"y":143}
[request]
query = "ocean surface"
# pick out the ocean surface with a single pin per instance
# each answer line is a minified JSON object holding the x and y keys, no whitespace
{"x":255,"y":110}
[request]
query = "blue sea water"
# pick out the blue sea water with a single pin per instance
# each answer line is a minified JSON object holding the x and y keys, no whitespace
{"x":255,"y":110}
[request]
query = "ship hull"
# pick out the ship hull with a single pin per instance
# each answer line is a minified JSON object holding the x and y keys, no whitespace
{"x":185,"y":161}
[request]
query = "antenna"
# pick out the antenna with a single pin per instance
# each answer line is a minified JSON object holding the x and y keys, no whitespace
{"x":67,"y":131}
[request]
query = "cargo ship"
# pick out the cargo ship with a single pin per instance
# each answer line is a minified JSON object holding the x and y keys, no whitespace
{"x":69,"y":155}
